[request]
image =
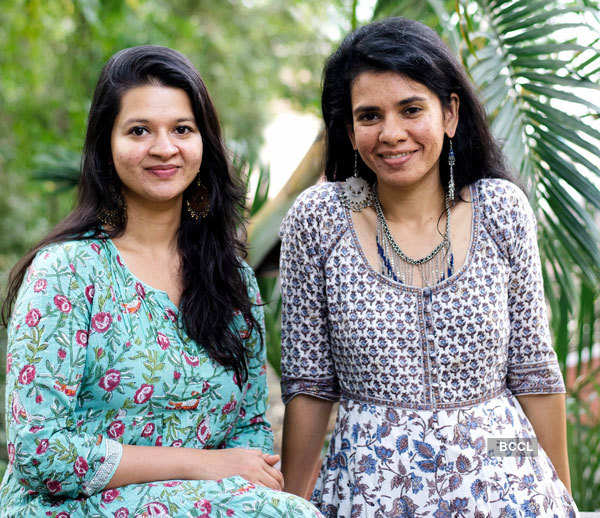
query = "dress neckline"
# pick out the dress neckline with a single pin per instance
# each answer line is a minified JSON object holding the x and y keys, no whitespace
{"x":440,"y":285}
{"x":163,"y":295}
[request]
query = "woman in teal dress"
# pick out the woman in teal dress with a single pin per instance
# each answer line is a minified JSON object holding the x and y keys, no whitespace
{"x":136,"y":361}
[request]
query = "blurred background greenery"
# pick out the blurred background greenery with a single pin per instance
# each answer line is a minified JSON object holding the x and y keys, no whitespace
{"x":535,"y":63}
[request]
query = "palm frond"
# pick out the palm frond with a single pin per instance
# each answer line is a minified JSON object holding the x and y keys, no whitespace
{"x":60,"y":169}
{"x":529,"y":71}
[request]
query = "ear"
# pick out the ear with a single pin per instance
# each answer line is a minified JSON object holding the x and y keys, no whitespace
{"x":451,"y":115}
{"x":350,"y":130}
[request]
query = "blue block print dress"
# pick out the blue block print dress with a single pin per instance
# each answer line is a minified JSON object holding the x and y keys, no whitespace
{"x":424,"y":376}
{"x":96,"y":359}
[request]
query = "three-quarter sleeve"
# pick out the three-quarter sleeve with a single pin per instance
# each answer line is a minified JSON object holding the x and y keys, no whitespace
{"x":252,"y":430}
{"x":46,"y":357}
{"x":532,"y":364}
{"x":306,"y":360}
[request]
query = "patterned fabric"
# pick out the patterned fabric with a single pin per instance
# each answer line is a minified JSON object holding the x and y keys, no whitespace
{"x":97,"y":359}
{"x":459,"y":350}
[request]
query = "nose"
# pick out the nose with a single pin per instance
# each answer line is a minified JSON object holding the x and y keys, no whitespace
{"x":392,"y":131}
{"x":162,"y":146}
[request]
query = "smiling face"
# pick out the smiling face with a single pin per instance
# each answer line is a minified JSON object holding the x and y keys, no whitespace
{"x":398,"y":127}
{"x":156,"y":145}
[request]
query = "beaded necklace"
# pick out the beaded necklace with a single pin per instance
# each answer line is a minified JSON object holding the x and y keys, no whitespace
{"x":433,"y":268}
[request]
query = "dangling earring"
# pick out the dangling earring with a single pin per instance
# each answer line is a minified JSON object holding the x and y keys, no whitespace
{"x":197,"y":203}
{"x":356,"y":193}
{"x":114,"y":213}
{"x":451,"y":162}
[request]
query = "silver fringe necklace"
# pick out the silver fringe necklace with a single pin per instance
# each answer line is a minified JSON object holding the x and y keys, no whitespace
{"x":431,"y":269}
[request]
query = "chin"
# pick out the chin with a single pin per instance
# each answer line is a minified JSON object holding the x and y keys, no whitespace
{"x":398,"y":180}
{"x":157,"y":198}
{"x":402,"y":179}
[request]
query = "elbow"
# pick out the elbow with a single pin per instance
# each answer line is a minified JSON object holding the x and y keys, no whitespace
{"x":34,"y":470}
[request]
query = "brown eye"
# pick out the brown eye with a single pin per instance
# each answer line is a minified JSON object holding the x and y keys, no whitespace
{"x":138,"y":131}
{"x":368,"y":117}
{"x":413,"y":110}
{"x":182,"y":130}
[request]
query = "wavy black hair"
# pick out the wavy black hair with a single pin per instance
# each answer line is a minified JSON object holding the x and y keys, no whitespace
{"x":211,"y":250}
{"x":415,"y":51}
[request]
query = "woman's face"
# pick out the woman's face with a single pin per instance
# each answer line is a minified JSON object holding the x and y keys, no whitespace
{"x":398,"y":127}
{"x":155,"y":142}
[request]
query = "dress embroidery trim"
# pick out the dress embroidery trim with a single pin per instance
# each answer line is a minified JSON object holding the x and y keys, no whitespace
{"x":112,"y":458}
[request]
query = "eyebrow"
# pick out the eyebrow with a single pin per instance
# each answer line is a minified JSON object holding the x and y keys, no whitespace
{"x":146,"y":121}
{"x":403,"y":102}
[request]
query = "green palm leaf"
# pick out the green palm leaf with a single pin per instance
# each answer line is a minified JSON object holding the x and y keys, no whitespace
{"x":522,"y":59}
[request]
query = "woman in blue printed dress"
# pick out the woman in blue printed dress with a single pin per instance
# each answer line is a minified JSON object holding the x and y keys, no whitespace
{"x":412,"y":293}
{"x":136,"y":360}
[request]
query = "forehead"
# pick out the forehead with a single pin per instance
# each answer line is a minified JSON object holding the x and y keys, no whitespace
{"x":382,"y":87}
{"x":155,"y":101}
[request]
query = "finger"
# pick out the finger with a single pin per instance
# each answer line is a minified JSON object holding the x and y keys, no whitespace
{"x":271,"y":459}
{"x":254,"y":451}
{"x":267,"y":480}
{"x":276,"y":474}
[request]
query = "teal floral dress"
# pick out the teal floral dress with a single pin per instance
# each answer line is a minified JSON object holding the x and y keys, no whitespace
{"x":97,"y":359}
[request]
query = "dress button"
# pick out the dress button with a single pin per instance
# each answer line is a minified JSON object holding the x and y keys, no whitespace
{"x":426,"y":292}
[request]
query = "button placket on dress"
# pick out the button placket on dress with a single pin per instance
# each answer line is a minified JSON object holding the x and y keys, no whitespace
{"x":429,"y":339}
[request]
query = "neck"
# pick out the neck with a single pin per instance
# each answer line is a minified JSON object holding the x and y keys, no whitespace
{"x":152,"y":226}
{"x":413,"y":204}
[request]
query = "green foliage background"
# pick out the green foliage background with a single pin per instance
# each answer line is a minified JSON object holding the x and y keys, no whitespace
{"x":248,"y":52}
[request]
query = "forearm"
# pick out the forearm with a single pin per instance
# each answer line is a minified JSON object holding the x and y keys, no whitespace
{"x":141,"y":464}
{"x":304,"y":428}
{"x":547,"y":414}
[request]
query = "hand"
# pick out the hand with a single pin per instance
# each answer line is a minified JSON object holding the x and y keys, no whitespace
{"x":253,"y":465}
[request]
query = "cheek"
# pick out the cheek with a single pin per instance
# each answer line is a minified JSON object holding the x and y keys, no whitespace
{"x":429,"y":137}
{"x":195,"y":153}
{"x":126,"y":156}
{"x":366,"y":137}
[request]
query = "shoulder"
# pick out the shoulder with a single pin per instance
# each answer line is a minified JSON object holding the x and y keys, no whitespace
{"x":317,"y":200}
{"x":502,"y":201}
{"x":60,"y":254}
{"x":60,"y":272}
{"x":315,"y":207}
{"x":77,"y":257}
{"x":247,"y":273}
{"x":498,"y":192}
{"x":249,"y":280}
{"x":506,"y":215}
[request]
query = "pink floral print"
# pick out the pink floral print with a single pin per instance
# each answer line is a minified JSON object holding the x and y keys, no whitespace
{"x":33,"y":317}
{"x":89,"y":370}
{"x":101,"y":322}
{"x":110,"y":380}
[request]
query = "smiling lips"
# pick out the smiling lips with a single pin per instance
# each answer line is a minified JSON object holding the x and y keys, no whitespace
{"x":397,"y":158}
{"x":163,"y":170}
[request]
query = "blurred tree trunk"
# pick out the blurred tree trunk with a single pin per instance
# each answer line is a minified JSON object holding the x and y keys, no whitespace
{"x":263,"y":229}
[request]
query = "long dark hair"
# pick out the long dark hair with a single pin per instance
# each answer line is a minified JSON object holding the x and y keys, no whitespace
{"x":416,"y":51}
{"x":211,"y":250}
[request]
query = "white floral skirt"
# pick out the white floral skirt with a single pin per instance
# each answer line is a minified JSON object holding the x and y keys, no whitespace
{"x":388,"y":461}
